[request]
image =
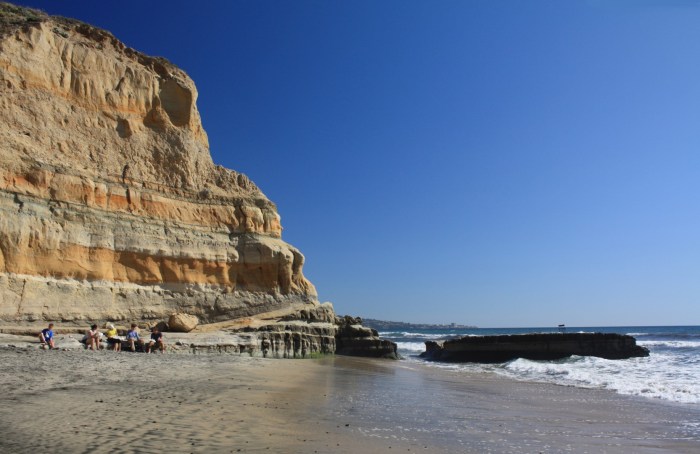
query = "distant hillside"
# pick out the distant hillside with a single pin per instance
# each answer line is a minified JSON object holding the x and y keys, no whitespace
{"x":382,"y":325}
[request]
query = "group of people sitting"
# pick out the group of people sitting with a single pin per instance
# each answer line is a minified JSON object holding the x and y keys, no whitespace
{"x":93,"y":338}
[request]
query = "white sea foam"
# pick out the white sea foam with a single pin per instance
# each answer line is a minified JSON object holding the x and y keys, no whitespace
{"x":411,"y":347}
{"x":425,"y":336}
{"x":657,"y":376}
{"x":672,"y":344}
{"x":669,"y":373}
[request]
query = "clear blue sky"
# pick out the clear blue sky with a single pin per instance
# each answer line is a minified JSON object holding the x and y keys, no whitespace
{"x":498,"y":163}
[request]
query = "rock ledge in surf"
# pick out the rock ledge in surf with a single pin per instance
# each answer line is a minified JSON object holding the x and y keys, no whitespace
{"x":543,"y":346}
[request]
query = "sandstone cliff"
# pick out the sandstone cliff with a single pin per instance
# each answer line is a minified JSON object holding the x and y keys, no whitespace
{"x":111,"y":208}
{"x":110,"y":205}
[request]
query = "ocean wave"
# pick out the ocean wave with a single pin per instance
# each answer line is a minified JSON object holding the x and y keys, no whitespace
{"x":426,"y":336}
{"x":668,"y":335}
{"x":413,"y":347}
{"x":655,"y":377}
{"x":463,"y":367}
{"x":669,"y":373}
{"x":670,"y":343}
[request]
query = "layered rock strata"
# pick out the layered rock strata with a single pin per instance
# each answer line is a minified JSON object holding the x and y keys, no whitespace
{"x":496,"y":349}
{"x":110,"y":205}
{"x":111,"y":208}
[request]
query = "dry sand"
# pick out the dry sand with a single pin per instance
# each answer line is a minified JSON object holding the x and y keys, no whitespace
{"x":80,"y":401}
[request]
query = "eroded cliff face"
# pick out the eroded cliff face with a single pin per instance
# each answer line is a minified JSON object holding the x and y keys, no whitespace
{"x":110,"y":205}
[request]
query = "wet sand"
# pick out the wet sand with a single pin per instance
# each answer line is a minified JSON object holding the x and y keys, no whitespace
{"x":79,"y":401}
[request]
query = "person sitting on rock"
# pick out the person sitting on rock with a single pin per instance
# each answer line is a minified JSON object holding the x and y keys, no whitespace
{"x":113,"y":340}
{"x":133,"y":338}
{"x":46,"y":337}
{"x":92,"y":338}
{"x":156,"y":340}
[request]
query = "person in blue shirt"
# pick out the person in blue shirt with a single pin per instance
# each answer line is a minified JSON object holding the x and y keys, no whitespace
{"x":133,"y":338}
{"x":46,"y":337}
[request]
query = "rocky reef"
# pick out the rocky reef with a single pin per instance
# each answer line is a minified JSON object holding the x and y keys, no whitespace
{"x":111,"y":207}
{"x":547,"y":346}
{"x":353,"y":339}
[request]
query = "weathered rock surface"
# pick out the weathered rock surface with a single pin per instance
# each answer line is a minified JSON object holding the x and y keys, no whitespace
{"x":111,"y":208}
{"x":496,"y":349}
{"x":182,"y":323}
{"x":353,"y":339}
{"x":110,"y":204}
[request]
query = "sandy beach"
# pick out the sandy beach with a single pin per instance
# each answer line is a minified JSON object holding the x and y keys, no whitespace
{"x":80,"y":401}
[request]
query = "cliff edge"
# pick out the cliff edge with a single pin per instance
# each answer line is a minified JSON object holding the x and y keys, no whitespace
{"x":110,"y":205}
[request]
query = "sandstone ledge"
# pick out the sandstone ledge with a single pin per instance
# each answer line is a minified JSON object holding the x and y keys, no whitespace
{"x":286,"y":345}
{"x":288,"y":340}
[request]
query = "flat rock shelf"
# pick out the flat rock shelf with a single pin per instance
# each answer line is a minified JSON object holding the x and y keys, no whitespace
{"x":537,"y":346}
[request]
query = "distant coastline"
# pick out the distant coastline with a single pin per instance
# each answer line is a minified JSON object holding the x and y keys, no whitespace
{"x":383,"y":325}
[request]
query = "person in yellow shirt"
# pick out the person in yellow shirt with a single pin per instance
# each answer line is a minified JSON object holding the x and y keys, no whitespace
{"x":113,"y":339}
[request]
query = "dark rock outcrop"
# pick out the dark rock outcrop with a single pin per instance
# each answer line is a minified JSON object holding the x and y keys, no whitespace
{"x":353,"y":339}
{"x":546,"y":346}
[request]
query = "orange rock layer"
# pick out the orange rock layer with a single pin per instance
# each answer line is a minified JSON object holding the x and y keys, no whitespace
{"x":110,"y":204}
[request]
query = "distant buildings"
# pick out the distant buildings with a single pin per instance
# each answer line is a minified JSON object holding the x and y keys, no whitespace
{"x":383,"y":325}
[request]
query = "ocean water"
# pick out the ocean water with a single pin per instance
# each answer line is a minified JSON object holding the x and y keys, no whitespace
{"x":671,"y":372}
